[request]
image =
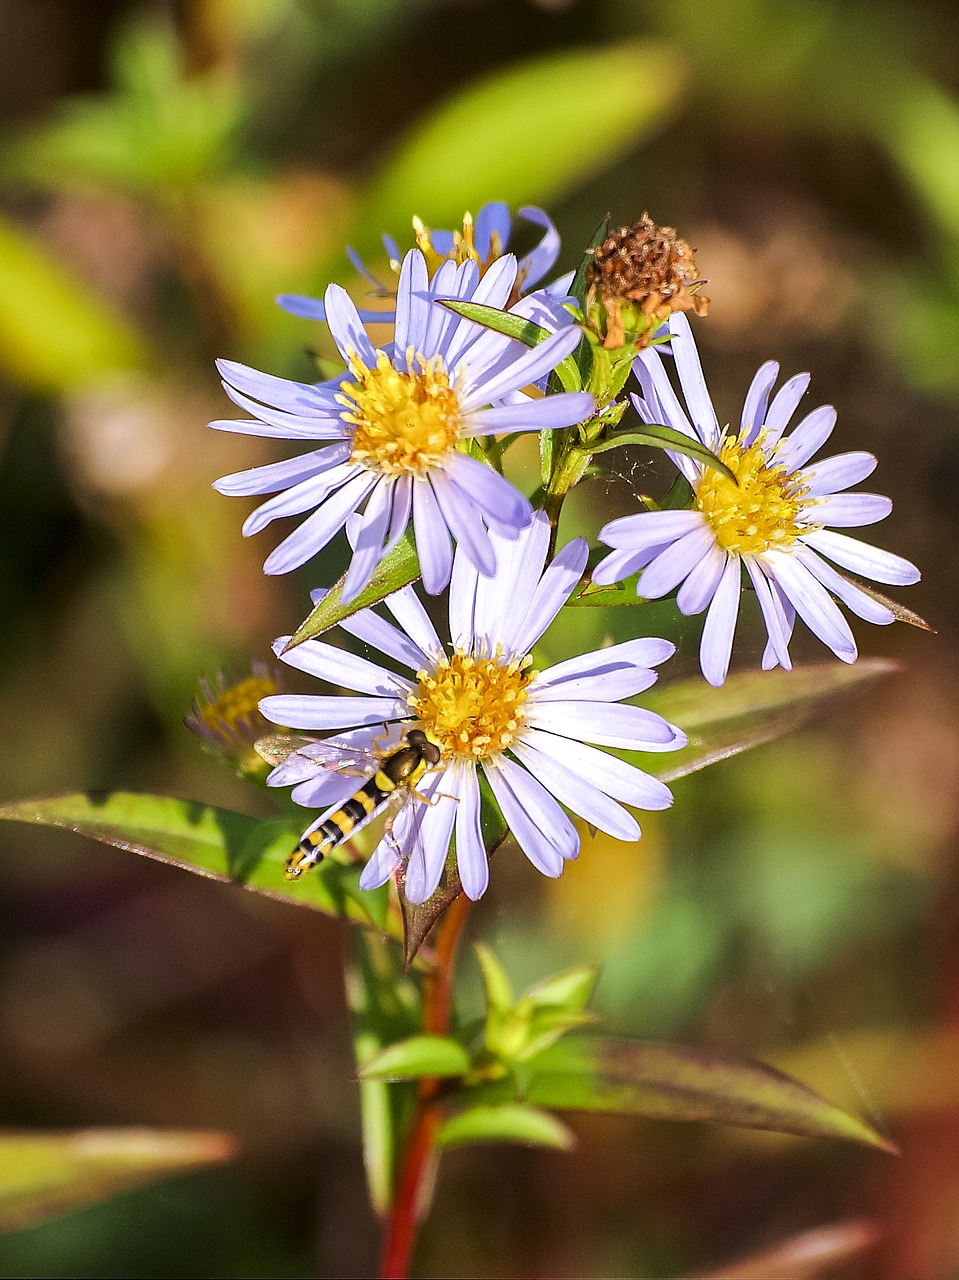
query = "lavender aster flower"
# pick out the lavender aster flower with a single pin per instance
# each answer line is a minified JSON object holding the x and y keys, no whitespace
{"x":486,"y":708}
{"x":777,"y":520}
{"x":482,"y":241}
{"x":389,"y":432}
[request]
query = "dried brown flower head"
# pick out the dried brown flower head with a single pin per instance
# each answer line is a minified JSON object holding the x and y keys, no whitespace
{"x":646,"y":267}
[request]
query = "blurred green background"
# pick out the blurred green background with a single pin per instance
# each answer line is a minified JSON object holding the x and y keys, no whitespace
{"x":164,"y":171}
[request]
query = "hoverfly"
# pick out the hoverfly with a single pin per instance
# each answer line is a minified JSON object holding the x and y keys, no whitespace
{"x":397,"y":769}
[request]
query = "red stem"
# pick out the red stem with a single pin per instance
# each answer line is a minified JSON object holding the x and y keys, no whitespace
{"x":437,"y":1000}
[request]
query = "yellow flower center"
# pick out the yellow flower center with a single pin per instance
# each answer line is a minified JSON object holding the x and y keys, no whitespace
{"x":464,"y":247}
{"x":402,"y":420}
{"x":761,"y":509}
{"x":472,"y":707}
{"x":235,"y":706}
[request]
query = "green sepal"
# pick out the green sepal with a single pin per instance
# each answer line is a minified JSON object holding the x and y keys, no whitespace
{"x":396,"y":570}
{"x":507,"y":1122}
{"x":416,"y":1058}
{"x":678,"y":496}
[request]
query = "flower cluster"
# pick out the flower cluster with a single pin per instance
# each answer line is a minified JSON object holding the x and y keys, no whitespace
{"x":411,"y":438}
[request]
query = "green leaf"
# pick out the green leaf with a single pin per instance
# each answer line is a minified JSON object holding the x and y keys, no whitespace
{"x":545,"y":1026}
{"x":55,"y":334}
{"x":45,"y":1174}
{"x":499,"y":993}
{"x":677,"y":1082}
{"x":752,"y":707}
{"x":417,"y":1057}
{"x":528,"y":133}
{"x":525,"y":331}
{"x":208,"y":841}
{"x":511,"y":1122}
{"x":570,"y":990}
{"x":658,"y":436}
{"x":396,"y":570}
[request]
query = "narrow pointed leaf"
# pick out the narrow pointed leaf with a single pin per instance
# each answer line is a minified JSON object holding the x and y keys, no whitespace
{"x":417,"y":1057}
{"x":548,"y":1025}
{"x":525,"y":331}
{"x":43,"y":1175}
{"x":899,"y":611}
{"x":217,"y":843}
{"x":659,"y":436}
{"x":570,"y":990}
{"x":511,"y":1122}
{"x":397,"y":569}
{"x":499,"y":993}
{"x":750,"y":708}
{"x":678,"y":1082}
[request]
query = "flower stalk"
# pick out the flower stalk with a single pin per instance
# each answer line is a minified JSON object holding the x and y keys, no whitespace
{"x":414,"y":1176}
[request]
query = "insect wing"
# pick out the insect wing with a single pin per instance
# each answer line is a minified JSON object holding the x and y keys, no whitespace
{"x":297,"y":758}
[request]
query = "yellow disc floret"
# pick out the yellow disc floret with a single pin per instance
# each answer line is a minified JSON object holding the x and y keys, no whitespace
{"x":233,"y":708}
{"x":403,"y":420}
{"x":758,"y":511}
{"x":463,"y":250}
{"x":472,"y":707}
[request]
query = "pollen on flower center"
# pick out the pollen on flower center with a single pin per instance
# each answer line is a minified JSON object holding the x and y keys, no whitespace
{"x":761,"y":510}
{"x":233,"y":707}
{"x":403,"y":420}
{"x":472,"y":707}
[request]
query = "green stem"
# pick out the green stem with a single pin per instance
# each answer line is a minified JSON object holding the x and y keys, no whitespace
{"x":567,"y":472}
{"x":407,"y":1208}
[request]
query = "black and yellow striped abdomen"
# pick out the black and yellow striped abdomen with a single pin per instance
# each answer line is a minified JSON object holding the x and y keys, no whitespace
{"x":402,"y":767}
{"x":338,"y":826}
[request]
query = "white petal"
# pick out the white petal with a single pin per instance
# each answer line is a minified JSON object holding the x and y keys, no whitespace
{"x":842,"y":471}
{"x":538,"y":824}
{"x":578,"y":794}
{"x":618,"y":779}
{"x":471,"y":859}
{"x":716,"y":645}
{"x":852,"y":597}
{"x":646,"y":651}
{"x":859,"y":557}
{"x":849,"y":510}
{"x":676,"y":562}
{"x":813,"y":603}
{"x":691,"y":378}
{"x":406,"y":608}
{"x":700,"y":587}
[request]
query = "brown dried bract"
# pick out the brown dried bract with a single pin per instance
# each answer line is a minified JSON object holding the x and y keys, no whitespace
{"x":648,"y":266}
